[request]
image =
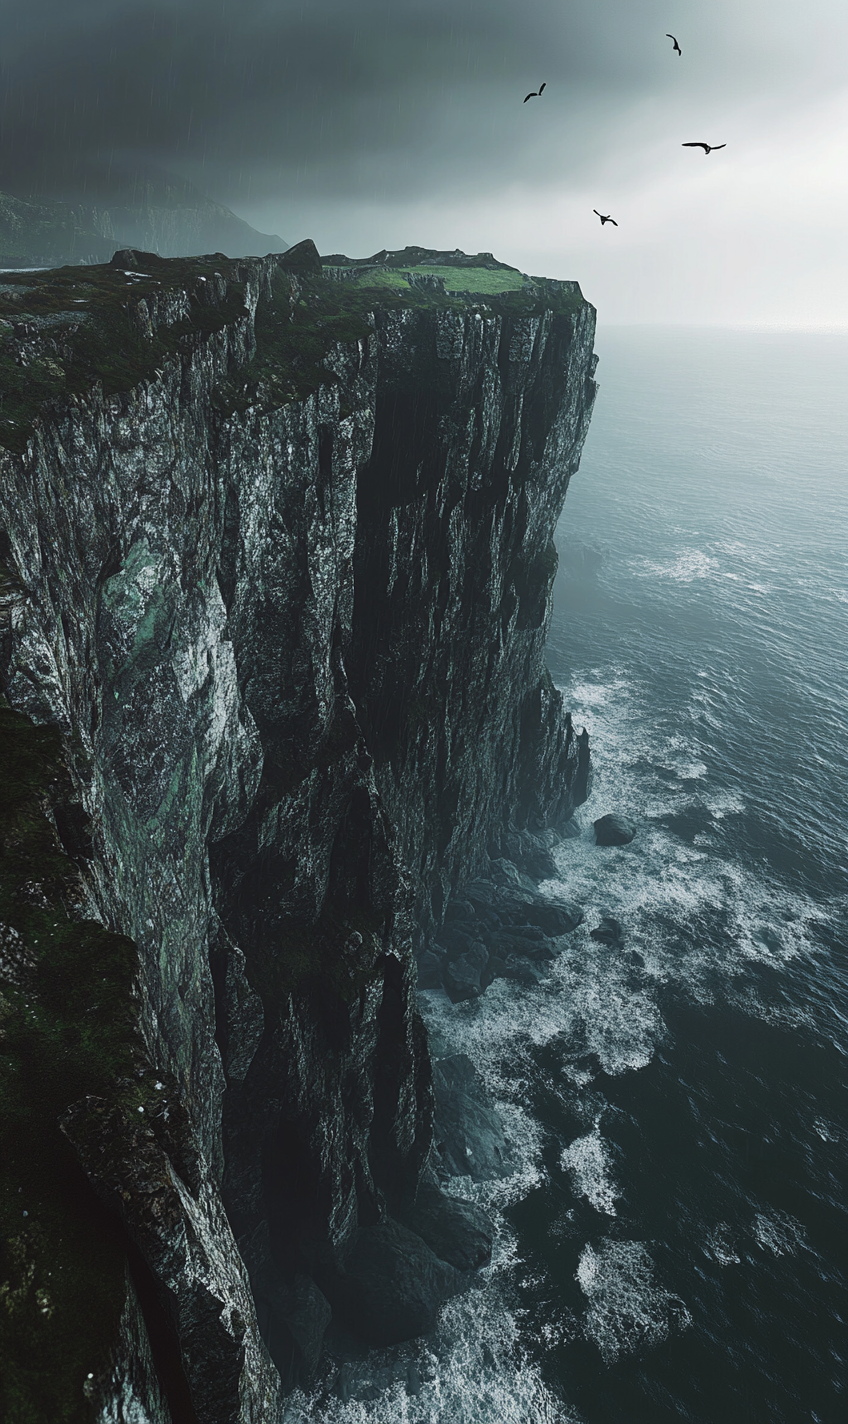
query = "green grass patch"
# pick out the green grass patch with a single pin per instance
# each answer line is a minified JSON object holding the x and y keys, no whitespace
{"x":67,"y":1029}
{"x":475,"y":280}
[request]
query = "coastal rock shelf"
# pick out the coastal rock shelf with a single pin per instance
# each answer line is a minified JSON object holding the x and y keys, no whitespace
{"x":276,"y":560}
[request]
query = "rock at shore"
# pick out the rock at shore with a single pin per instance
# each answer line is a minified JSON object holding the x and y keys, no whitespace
{"x":469,"y":1138}
{"x":457,"y":1231}
{"x":614,"y":830}
{"x":391,"y":1285}
{"x":609,"y":932}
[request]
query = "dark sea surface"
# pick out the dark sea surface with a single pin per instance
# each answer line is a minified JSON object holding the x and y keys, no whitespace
{"x":674,"y":1245}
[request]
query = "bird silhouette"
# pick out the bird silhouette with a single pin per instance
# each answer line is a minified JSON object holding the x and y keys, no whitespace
{"x":605,"y":219}
{"x":536,"y":92}
{"x":707,"y":147}
{"x":678,"y":50}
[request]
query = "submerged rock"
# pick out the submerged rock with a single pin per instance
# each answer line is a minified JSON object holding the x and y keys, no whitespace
{"x":614,"y":830}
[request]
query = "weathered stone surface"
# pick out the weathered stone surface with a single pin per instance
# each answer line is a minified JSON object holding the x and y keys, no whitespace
{"x":614,"y":830}
{"x":130,"y":1392}
{"x":178,"y":1224}
{"x":294,"y":1315}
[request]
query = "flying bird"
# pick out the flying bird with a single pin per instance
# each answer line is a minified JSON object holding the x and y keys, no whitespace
{"x":536,"y":92}
{"x":677,"y":48}
{"x":707,"y":147}
{"x":605,"y":219}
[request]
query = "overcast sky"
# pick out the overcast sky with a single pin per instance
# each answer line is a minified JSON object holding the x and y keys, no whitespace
{"x":376,"y":123}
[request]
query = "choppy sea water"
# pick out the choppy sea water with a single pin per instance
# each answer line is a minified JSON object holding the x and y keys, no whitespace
{"x":671,"y":1247}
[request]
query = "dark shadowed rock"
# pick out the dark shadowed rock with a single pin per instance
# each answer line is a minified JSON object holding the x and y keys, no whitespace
{"x":481,"y":899}
{"x":294,"y":1317}
{"x":527,"y":853}
{"x":513,"y":904}
{"x":609,"y":931}
{"x":523,"y":971}
{"x":430,"y":970}
{"x":459,"y":910}
{"x":614,"y":830}
{"x":303,"y":257}
{"x":529,"y":942}
{"x":463,"y":976}
{"x":391,"y":1285}
{"x":459,"y":938}
{"x":555,"y":917}
{"x":468,"y":1137}
{"x":458,"y":1232}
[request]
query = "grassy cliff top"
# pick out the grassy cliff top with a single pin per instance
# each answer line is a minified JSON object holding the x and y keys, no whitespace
{"x":64,"y":330}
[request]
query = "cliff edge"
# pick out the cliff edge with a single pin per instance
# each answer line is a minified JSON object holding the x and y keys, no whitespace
{"x":276,"y":563}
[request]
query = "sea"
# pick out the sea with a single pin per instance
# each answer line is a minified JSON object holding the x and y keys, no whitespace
{"x":673,"y":1244}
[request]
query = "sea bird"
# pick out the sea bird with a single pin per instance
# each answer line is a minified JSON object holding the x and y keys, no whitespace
{"x":536,"y":92}
{"x":678,"y":50}
{"x":707,"y":147}
{"x":605,"y":219}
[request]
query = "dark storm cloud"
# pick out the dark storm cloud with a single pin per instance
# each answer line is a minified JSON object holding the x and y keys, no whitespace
{"x":252,"y":97}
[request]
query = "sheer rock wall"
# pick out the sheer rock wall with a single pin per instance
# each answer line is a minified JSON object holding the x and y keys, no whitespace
{"x":295,"y":652}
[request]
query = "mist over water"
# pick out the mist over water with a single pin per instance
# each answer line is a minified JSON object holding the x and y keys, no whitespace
{"x":670,"y":1248}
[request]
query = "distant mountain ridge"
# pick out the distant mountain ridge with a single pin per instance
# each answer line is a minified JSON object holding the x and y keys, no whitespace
{"x":169,"y":219}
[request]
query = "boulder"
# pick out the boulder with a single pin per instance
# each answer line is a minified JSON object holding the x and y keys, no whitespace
{"x":459,"y":939}
{"x":525,"y":851}
{"x":555,"y":917}
{"x":463,"y":976}
{"x":458,"y":1232}
{"x":481,"y":898}
{"x":609,"y":931}
{"x":614,"y":830}
{"x":468,"y":1134}
{"x":390,"y":1285}
{"x":514,"y":905}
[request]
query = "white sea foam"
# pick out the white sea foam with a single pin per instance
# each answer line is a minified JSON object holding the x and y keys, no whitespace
{"x":472,"y":1370}
{"x":688,"y":565}
{"x":588,"y":1161}
{"x":698,"y":917}
{"x":778,"y":1232}
{"x":627,"y":1309}
{"x":720,"y":1246}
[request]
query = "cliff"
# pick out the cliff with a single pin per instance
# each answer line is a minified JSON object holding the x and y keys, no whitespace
{"x":277,"y":560}
{"x":170,"y":219}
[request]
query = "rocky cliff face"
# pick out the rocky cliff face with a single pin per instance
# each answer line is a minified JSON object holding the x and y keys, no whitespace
{"x":277,"y":563}
{"x":171,"y":220}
